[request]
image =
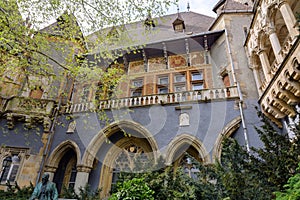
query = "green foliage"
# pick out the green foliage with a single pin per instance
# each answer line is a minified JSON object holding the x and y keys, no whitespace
{"x":279,"y":157}
{"x":86,"y":193}
{"x":15,"y":192}
{"x":171,"y":184}
{"x":292,"y":188}
{"x":256,"y":175}
{"x":134,"y":189}
{"x":238,"y":176}
{"x":68,"y":193}
{"x":166,"y":182}
{"x":34,"y":53}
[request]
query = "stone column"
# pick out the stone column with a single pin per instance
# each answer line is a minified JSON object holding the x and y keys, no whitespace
{"x":265,"y":64}
{"x":255,"y":70}
{"x":82,"y":177}
{"x":274,"y":43}
{"x":289,"y":18}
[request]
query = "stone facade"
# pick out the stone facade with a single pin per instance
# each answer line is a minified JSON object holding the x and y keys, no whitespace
{"x":184,"y":91}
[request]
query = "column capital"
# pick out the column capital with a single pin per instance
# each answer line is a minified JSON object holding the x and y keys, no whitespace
{"x":84,"y":168}
{"x":280,"y":3}
{"x":49,"y":168}
{"x":255,"y":67}
{"x":260,"y":51}
{"x":269,"y":29}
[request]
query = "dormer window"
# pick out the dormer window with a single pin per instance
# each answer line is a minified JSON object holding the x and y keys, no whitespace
{"x":178,"y":27}
{"x":178,"y":24}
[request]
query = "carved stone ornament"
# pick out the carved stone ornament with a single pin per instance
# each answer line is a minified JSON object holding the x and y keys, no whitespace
{"x":71,"y":127}
{"x":184,"y":119}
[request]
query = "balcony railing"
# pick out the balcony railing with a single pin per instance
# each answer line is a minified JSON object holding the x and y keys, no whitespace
{"x":286,"y":47}
{"x":282,"y":93}
{"x":187,"y":96}
{"x":30,"y":106}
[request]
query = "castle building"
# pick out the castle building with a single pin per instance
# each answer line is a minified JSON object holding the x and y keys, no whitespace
{"x":188,"y":82}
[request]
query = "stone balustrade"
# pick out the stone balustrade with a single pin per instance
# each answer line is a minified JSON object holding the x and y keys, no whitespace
{"x":29,"y":106}
{"x":286,"y":47}
{"x":283,"y":92}
{"x":178,"y":97}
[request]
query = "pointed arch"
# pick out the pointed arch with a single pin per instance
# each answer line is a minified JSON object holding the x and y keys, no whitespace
{"x":104,"y":134}
{"x":60,"y":151}
{"x":182,"y":140}
{"x":108,"y":173}
{"x":227,"y":131}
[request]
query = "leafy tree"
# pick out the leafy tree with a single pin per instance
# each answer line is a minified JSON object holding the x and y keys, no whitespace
{"x":167,"y":182}
{"x":85,"y":193}
{"x":134,"y":189}
{"x":238,"y":176}
{"x":256,"y":175}
{"x":292,"y":188}
{"x":279,"y":157}
{"x":32,"y":53}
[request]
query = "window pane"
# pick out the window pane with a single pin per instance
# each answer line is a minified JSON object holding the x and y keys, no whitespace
{"x":178,"y":27}
{"x":163,"y":90}
{"x":73,"y":174}
{"x":179,"y":88}
{"x":196,"y":76}
{"x":163,"y":80}
{"x":137,"y":83}
{"x":5,"y":169}
{"x":179,"y":78}
{"x":4,"y":174}
{"x":136,"y":93}
{"x":197,"y":86}
{"x":13,"y":173}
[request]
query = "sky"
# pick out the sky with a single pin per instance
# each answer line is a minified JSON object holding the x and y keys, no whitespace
{"x":200,"y":6}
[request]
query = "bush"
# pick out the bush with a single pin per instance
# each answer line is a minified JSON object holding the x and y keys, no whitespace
{"x":134,"y":189}
{"x":15,"y":192}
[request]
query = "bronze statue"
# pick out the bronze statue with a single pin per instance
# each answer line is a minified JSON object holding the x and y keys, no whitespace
{"x":45,"y":190}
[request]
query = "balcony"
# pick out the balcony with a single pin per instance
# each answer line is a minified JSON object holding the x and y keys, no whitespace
{"x":171,"y":98}
{"x":282,"y":94}
{"x":30,"y":110}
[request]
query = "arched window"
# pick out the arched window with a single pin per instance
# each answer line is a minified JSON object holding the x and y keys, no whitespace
{"x":10,"y":167}
{"x":226,"y":80}
{"x":131,"y":158}
{"x":65,"y":175}
{"x":189,"y":167}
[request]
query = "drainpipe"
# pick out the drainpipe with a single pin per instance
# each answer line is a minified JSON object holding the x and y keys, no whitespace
{"x":239,"y":92}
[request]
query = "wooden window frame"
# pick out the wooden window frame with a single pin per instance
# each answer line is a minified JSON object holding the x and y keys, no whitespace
{"x":194,"y":82}
{"x":162,"y":86}
{"x":181,"y":83}
{"x":137,"y":88}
